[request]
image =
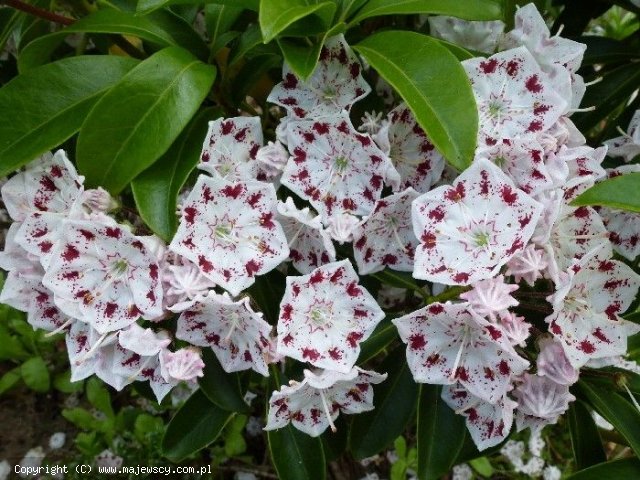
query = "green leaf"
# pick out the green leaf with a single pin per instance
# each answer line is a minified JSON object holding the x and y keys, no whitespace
{"x":146,"y":425}
{"x":606,"y":50}
{"x":146,"y":6}
{"x":219,"y":20}
{"x":248,"y":40}
{"x":222,"y":388}
{"x":134,"y":123}
{"x":296,"y":455}
{"x":99,"y":396}
{"x":49,"y":104}
{"x":585,"y":439}
{"x":276,"y":15}
{"x":615,"y":409}
{"x":36,"y":374}
{"x":395,"y":402}
{"x":156,"y":189}
{"x":433,"y":83}
{"x":80,"y":417}
{"x":301,"y":58}
{"x":62,"y":382}
{"x":10,"y":380}
{"x":385,"y":333}
{"x":250,"y":74}
{"x":607,"y":95}
{"x":267,"y":294}
{"x":194,"y":426}
{"x":483,"y":466}
{"x":626,"y":468}
{"x":622,"y":192}
{"x":468,"y":9}
{"x":162,"y":28}
{"x":441,"y":434}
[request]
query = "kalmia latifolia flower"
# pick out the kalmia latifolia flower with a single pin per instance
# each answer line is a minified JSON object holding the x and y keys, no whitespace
{"x":478,"y":36}
{"x":554,"y":364}
{"x":230,"y":148}
{"x":102,"y":274}
{"x":334,"y":167}
{"x":448,"y":343}
{"x":490,"y":297}
{"x":540,"y":401}
{"x":238,"y":336}
{"x":467,"y":231}
{"x":336,"y":83}
{"x":386,"y":238}
{"x":488,"y":423}
{"x":309,"y":243}
{"x":182,"y":365}
{"x":325,"y":315}
{"x":627,"y":146}
{"x":313,"y":404}
{"x":229,"y":230}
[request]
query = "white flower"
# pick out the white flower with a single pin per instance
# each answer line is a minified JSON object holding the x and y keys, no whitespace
{"x":56,"y":441}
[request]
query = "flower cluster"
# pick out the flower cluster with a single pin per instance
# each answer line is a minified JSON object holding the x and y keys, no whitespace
{"x":501,"y":231}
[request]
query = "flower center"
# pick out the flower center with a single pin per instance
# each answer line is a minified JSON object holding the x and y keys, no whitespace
{"x":120,"y":267}
{"x":329,"y":94}
{"x":481,"y":239}
{"x":495,"y":109}
{"x":341,"y":164}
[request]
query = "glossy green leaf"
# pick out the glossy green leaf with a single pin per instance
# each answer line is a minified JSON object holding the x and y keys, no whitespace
{"x":468,"y":9}
{"x":302,"y":59}
{"x":614,"y":408}
{"x":250,"y":75}
{"x":295,"y":455}
{"x":219,"y":19}
{"x":276,"y":15}
{"x":49,"y":104}
{"x":483,"y":466}
{"x":431,"y":80}
{"x":80,"y":417}
{"x":62,"y":382}
{"x":621,"y":192}
{"x":627,"y":469}
{"x":248,"y":40}
{"x":267,"y":294}
{"x":222,"y":388}
{"x":585,"y":439}
{"x":162,"y":28}
{"x":134,"y":123}
{"x":607,"y":95}
{"x":385,"y":333}
{"x":194,"y":426}
{"x":36,"y":374}
{"x":248,"y":4}
{"x":9,"y":18}
{"x":10,"y":379}
{"x":156,"y":189}
{"x":606,"y":50}
{"x":395,"y":402}
{"x":441,"y":434}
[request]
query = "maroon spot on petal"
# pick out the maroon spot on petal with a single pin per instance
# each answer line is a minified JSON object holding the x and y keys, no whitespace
{"x":42,"y":297}
{"x":70,"y":253}
{"x":131,"y":360}
{"x":515,"y":246}
{"x":287,"y":310}
{"x":253,"y":151}
{"x":295,"y":289}
{"x":587,"y":347}
{"x":533,"y":84}
{"x":353,"y":338}
{"x":137,"y":244}
{"x":337,"y":275}
{"x":368,"y":254}
{"x":494,"y":332}
{"x":133,"y":312}
{"x":376,"y":181}
{"x":353,"y":290}
{"x":456,"y":193}
{"x":232,"y":191}
{"x":436,"y":309}
{"x":227,"y":126}
{"x":287,"y":340}
{"x":581,"y":212}
{"x":461,"y":277}
{"x":252,"y":267}
{"x":247,"y":356}
{"x":297,"y":416}
{"x":311,"y":354}
{"x":205,"y":265}
{"x":612,"y":310}
{"x":503,"y":368}
{"x":47,"y":184}
{"x":540,"y":109}
{"x":344,"y":128}
{"x":212,"y":338}
{"x":109,"y":309}
{"x":189,"y":214}
{"x":335,"y":353}
{"x":389,"y":259}
{"x":205,"y":157}
{"x":71,"y":275}
{"x":348,"y":204}
{"x":359,"y":313}
{"x":600,"y":335}
{"x":368,"y":194}
{"x":321,"y":128}
{"x":207,"y":196}
{"x":489,"y":66}
{"x":354,"y":69}
{"x":417,"y":342}
{"x":151,"y":296}
{"x":290,"y":81}
{"x":436,"y":214}
{"x":40,"y":232}
{"x":303,"y":174}
{"x":45,"y":246}
{"x":153,"y":271}
{"x":266,"y":220}
{"x":488,"y":373}
{"x":512,"y":68}
{"x":535,"y":126}
{"x":364,"y":140}
{"x":56,"y":171}
{"x":316,"y":277}
{"x":113,"y":232}
{"x":461,"y":373}
{"x":360,"y":243}
{"x":299,"y":112}
{"x":508,"y":195}
{"x":484,"y":183}
{"x":241,"y":135}
{"x":432,"y":360}
{"x":308,"y":137}
{"x":50,"y":312}
{"x":524,"y":221}
{"x":299,"y":155}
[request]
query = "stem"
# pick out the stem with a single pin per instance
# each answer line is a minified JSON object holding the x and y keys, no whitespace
{"x":38,"y":12}
{"x":448,"y":294}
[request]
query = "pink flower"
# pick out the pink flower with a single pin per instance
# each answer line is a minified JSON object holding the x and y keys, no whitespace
{"x":491,"y":297}
{"x":344,"y":227}
{"x":313,"y":404}
{"x":336,"y":83}
{"x":334,"y":167}
{"x":515,"y":327}
{"x":527,"y":265}
{"x":184,"y":364}
{"x":554,"y":364}
{"x":238,"y":336}
{"x":541,"y":401}
{"x":325,"y":315}
{"x":628,"y":145}
{"x":229,"y":230}
{"x":469,"y":230}
{"x":386,"y":238}
{"x":103,"y":275}
{"x":183,"y":283}
{"x":447,"y":343}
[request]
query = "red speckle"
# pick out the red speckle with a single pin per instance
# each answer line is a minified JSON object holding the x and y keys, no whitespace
{"x":138,"y":245}
{"x":540,"y":109}
{"x":353,"y":290}
{"x":436,"y":214}
{"x":309,"y":137}
{"x":113,"y":232}
{"x":335,"y":353}
{"x":290,"y":81}
{"x":316,"y":277}
{"x":587,"y":347}
{"x":354,"y":69}
{"x":484,"y":183}
{"x":48,"y":184}
{"x":353,"y":338}
{"x":611,"y":311}
{"x":488,"y":373}
{"x":56,"y":171}
{"x":535,"y":126}
{"x":204,"y":264}
{"x":252,"y":267}
{"x":428,"y":240}
{"x":344,"y":128}
{"x":606,"y":266}
{"x":287,"y":340}
{"x":71,"y":275}
{"x":232,"y":191}
{"x":241,"y":135}
{"x":189,"y":214}
{"x":533,"y":84}
{"x":462,"y":374}
{"x":110,"y":309}
{"x":494,"y":332}
{"x":360,"y":243}
{"x":266,"y":220}
{"x":45,"y":246}
{"x":227,"y":127}
{"x":436,"y":309}
{"x":524,"y":221}
{"x":70,"y":253}
{"x":600,"y":336}
{"x":299,"y":155}
{"x":321,"y":128}
{"x":348,"y":204}
{"x":337,"y":275}
{"x":207,"y":196}
{"x":581,"y":212}
{"x":389,"y":259}
{"x":310,"y":353}
{"x":512,"y":68}
{"x":503,"y":367}
{"x":359,"y":313}
{"x":489,"y":66}
{"x":461,"y":277}
{"x":151,"y":296}
{"x":508,"y":195}
{"x":286,"y":312}
{"x":417,"y":342}
{"x":456,"y":193}
{"x":153,"y":271}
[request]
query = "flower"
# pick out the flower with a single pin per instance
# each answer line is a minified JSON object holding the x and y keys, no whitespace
{"x":447,"y":343}
{"x":386,"y":238}
{"x":490,"y":297}
{"x":325,"y":315}
{"x":238,"y":336}
{"x":478,"y":36}
{"x":102,"y":274}
{"x":229,"y":231}
{"x":469,"y":230}
{"x":313,"y":404}
{"x":554,"y":364}
{"x":527,"y":265}
{"x":183,"y":283}
{"x":184,"y":364}
{"x":272,"y":158}
{"x":540,"y":401}
{"x":628,"y":145}
{"x":335,"y":84}
{"x":343,"y":227}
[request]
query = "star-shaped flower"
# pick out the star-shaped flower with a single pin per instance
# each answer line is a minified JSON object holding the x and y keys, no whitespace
{"x":513,"y":95}
{"x":447,"y":343}
{"x":237,"y":335}
{"x":469,"y":230}
{"x":334,"y":167}
{"x":336,"y":83}
{"x":627,"y":146}
{"x":313,"y":404}
{"x":386,"y":238}
{"x":103,"y":275}
{"x":541,"y":401}
{"x":229,"y":230}
{"x":230,"y":148}
{"x":325,"y":315}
